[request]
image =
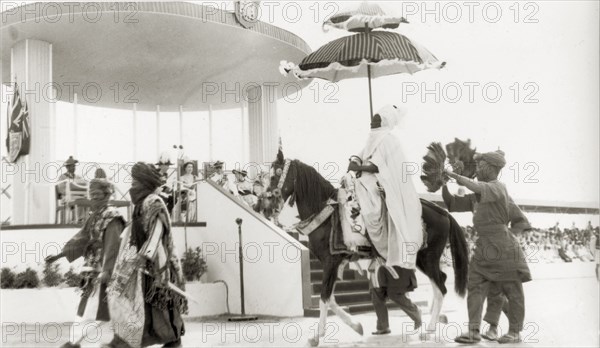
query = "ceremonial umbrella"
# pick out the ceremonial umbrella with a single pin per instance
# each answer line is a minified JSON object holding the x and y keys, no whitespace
{"x":368,"y":54}
{"x":354,"y":19}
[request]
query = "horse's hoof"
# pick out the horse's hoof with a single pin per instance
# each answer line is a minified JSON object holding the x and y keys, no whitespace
{"x":443,"y":319}
{"x":358,"y":328}
{"x":313,"y":342}
{"x":430,"y":327}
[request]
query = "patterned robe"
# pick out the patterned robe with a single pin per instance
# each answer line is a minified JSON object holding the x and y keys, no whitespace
{"x":98,"y":243}
{"x":144,"y":309}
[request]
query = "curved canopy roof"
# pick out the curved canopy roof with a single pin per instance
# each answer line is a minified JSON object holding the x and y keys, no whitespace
{"x":159,"y":53}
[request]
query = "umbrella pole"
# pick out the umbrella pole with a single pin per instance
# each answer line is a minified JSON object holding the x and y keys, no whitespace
{"x":370,"y":93}
{"x":368,"y":30}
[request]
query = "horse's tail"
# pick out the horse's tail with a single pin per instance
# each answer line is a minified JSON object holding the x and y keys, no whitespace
{"x":460,"y":256}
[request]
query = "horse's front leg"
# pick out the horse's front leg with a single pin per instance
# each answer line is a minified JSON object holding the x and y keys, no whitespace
{"x":323,"y":309}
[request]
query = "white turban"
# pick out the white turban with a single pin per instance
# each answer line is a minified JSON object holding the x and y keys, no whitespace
{"x":391,"y":115}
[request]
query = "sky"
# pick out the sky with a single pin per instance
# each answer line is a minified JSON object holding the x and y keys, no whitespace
{"x":548,"y":124}
{"x":533,"y":68}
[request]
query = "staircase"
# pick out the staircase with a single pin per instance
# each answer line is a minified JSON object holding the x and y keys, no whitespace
{"x":352,"y":293}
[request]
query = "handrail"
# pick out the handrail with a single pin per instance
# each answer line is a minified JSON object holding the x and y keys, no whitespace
{"x":274,"y":228}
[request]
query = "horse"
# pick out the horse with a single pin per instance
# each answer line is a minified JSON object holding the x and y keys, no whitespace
{"x":310,"y":191}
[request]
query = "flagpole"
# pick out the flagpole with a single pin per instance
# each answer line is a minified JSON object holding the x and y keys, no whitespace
{"x":8,"y":114}
{"x":26,"y":159}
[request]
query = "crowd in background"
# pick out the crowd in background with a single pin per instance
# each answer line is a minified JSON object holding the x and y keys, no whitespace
{"x":549,"y":245}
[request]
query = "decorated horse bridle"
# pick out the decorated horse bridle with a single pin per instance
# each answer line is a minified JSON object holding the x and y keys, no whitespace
{"x":284,"y":172}
{"x":286,"y":168}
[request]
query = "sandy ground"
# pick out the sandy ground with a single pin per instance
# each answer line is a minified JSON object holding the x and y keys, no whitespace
{"x":562,"y":310}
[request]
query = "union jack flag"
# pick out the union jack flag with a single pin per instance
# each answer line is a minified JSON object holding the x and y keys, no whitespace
{"x":18,"y":137}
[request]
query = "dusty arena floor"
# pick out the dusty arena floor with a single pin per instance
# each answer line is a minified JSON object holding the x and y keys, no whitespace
{"x":561,"y":310}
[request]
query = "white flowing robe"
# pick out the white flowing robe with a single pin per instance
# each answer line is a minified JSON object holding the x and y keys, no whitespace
{"x":402,"y":239}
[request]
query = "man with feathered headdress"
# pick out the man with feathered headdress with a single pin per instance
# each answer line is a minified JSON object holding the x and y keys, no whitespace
{"x":141,"y":301}
{"x":498,"y":261}
{"x":98,"y":243}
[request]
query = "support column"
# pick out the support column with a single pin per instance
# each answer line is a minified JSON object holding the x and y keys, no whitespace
{"x":157,"y":131}
{"x":263,"y":127}
{"x":244,"y":144}
{"x":255,"y":126}
{"x":270,"y":124}
{"x":210,"y":134}
{"x":75,"y":126}
{"x":181,"y":125}
{"x":135,"y":155}
{"x":32,"y":67}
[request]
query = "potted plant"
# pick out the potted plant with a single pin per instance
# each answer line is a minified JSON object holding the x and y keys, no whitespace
{"x":193,"y":264}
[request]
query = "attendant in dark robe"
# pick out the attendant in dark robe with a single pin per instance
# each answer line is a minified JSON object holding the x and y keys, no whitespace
{"x":496,"y":301}
{"x":141,"y":300}
{"x":498,"y":259}
{"x":98,"y":243}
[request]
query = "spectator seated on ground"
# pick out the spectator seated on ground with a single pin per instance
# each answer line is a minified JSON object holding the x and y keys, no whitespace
{"x":583,"y":253}
{"x":553,"y":245}
{"x":562,"y":252}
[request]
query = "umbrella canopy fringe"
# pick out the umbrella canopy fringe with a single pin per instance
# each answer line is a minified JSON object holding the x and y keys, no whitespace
{"x":351,"y":68}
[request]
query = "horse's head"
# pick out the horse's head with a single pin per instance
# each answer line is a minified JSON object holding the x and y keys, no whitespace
{"x":279,"y":186}
{"x":460,"y":156}
{"x":299,"y":182}
{"x":281,"y":182}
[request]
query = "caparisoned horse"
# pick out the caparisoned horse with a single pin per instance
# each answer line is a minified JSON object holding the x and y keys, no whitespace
{"x":311,"y":192}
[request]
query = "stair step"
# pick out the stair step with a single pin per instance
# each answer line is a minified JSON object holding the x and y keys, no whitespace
{"x":362,"y":308}
{"x":315,"y":265}
{"x":344,"y":286}
{"x":317,"y":276}
{"x":368,"y":307}
{"x":346,"y":298}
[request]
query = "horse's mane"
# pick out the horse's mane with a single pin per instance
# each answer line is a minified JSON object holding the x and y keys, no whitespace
{"x":311,"y":189}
